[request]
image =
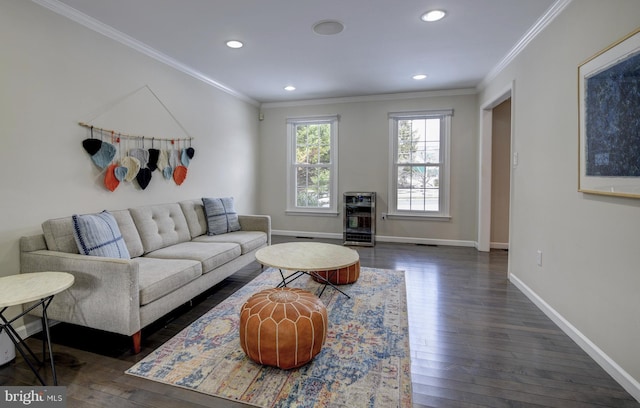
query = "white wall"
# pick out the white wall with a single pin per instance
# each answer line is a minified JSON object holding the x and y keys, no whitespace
{"x":364,"y":163}
{"x":55,"y":73}
{"x":590,"y":277}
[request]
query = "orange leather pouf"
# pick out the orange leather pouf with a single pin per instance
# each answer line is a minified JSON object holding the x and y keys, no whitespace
{"x":340,"y":276}
{"x":283,"y":327}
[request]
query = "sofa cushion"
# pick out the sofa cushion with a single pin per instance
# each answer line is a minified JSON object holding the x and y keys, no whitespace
{"x":160,"y":225}
{"x":129,"y":232}
{"x":221,"y":215}
{"x":99,"y":235}
{"x":211,"y":255}
{"x":248,"y":240}
{"x":58,"y":233}
{"x":194,"y":214}
{"x":159,"y":277}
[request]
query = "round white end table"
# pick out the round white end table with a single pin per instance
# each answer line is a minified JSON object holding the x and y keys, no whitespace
{"x":39,"y":288}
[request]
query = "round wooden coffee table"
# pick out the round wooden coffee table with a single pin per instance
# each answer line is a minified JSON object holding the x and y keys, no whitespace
{"x":304,"y":258}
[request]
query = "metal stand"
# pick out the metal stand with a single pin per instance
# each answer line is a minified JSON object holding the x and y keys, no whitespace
{"x":296,"y":275}
{"x":20,"y":344}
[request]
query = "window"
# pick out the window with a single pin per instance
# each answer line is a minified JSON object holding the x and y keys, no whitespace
{"x":312,"y":164}
{"x":419,"y":160}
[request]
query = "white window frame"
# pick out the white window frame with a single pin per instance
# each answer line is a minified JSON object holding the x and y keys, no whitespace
{"x":444,"y":176}
{"x":292,"y":206}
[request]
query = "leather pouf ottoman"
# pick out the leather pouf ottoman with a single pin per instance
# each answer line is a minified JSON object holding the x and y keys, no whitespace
{"x":340,"y":276}
{"x":283,"y":327}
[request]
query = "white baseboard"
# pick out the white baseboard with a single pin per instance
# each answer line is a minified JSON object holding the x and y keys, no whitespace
{"x":379,"y":238}
{"x":303,"y":234}
{"x":425,"y":241}
{"x":499,"y":245}
{"x":609,"y":365}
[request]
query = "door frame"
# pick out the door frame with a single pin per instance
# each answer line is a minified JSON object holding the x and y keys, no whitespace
{"x":484,"y":166}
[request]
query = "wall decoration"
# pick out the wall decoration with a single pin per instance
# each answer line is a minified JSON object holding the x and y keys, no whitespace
{"x":125,"y":164}
{"x":609,"y":119}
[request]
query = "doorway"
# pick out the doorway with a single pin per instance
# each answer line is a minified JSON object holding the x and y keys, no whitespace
{"x":500,"y":175}
{"x":496,"y":128}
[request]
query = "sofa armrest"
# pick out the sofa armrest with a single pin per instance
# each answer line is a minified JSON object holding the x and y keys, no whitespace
{"x":105,"y":294}
{"x":256,"y":223}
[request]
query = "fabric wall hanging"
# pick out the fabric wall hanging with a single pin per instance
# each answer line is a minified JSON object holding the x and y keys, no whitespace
{"x":126,"y":157}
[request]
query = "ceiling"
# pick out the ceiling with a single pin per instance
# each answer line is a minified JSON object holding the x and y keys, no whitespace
{"x":383,"y":44}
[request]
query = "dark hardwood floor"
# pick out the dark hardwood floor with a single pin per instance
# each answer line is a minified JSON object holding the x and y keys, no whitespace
{"x":476,"y":341}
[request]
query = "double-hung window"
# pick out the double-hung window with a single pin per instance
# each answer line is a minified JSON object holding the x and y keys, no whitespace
{"x":312,"y":164}
{"x":419,"y":173}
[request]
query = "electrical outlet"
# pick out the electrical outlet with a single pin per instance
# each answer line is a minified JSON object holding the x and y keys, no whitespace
{"x":539,"y":257}
{"x":384,"y":216}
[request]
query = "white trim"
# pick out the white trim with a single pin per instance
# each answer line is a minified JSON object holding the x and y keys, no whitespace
{"x":607,"y":363}
{"x":426,"y":241}
{"x":420,"y":114}
{"x":307,"y":234}
{"x":32,"y":327}
{"x":110,"y":32}
{"x":313,"y":119}
{"x":371,"y":98}
{"x":484,"y":164}
{"x":417,"y":216}
{"x":542,"y":23}
{"x":313,"y":212}
{"x":444,"y":162}
{"x":499,"y":245}
{"x":291,"y":208}
{"x":379,"y":238}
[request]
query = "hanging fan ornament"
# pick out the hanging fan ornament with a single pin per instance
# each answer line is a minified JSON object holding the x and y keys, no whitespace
{"x":187,"y":155}
{"x":172,"y":162}
{"x":154,"y":155}
{"x":91,"y":145}
{"x":180,"y":171}
{"x":120,"y":172}
{"x":104,"y":155}
{"x":131,"y":164}
{"x":190,"y":150}
{"x":111,"y":182}
{"x":163,"y":161}
{"x":179,"y":174}
{"x":144,"y":174}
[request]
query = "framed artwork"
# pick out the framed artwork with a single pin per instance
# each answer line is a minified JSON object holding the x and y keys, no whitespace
{"x":609,"y":119}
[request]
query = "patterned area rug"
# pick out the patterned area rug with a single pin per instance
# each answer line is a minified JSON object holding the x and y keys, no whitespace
{"x":364,"y":362}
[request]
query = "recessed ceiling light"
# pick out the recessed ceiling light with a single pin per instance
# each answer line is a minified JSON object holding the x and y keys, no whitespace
{"x":433,"y":15}
{"x":419,"y":77}
{"x":328,"y":27}
{"x":234,"y":44}
{"x":289,"y":88}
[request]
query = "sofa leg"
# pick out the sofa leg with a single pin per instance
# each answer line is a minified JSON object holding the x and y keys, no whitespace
{"x":137,"y":340}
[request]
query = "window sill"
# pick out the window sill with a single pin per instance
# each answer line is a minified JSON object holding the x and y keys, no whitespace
{"x":313,"y":213}
{"x":426,"y":217}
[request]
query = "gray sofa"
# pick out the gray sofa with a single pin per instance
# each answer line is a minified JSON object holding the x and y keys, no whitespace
{"x":172,"y":261}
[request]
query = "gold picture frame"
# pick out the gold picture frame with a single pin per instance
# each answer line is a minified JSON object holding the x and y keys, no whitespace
{"x":609,"y":120}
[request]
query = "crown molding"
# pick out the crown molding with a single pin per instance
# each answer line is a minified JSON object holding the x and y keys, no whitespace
{"x":110,"y":32}
{"x":371,"y":98}
{"x":532,"y":33}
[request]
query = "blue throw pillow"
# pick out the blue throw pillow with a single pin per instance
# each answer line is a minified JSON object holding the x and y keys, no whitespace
{"x":99,"y":235}
{"x":221,"y":215}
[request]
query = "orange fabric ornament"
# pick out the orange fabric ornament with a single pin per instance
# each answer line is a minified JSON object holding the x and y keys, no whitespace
{"x":179,"y":174}
{"x":110,"y":179}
